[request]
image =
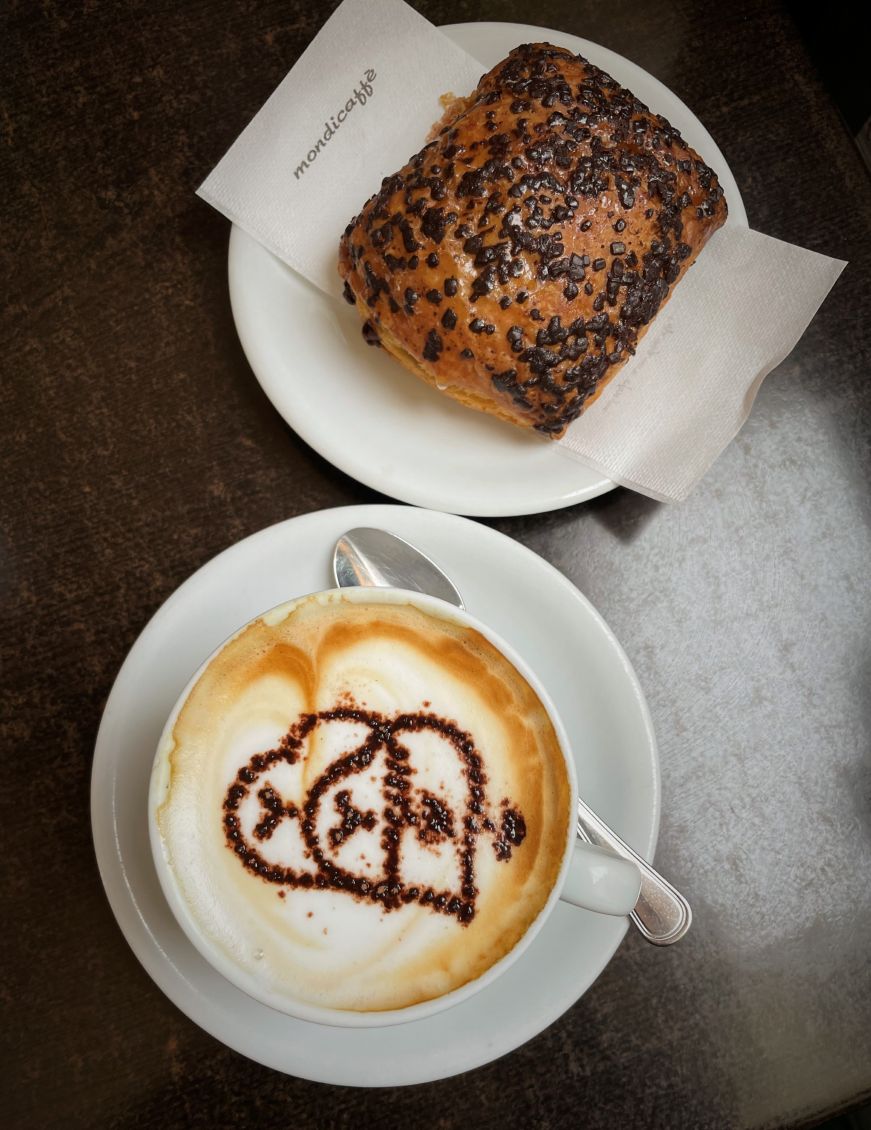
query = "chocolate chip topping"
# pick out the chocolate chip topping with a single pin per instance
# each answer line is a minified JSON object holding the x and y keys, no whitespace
{"x":370,"y":334}
{"x":433,"y":346}
{"x":520,"y":197}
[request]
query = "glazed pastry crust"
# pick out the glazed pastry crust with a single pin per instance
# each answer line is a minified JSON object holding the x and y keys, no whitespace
{"x":516,"y":261}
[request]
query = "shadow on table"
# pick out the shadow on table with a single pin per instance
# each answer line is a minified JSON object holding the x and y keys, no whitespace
{"x":623,"y":513}
{"x":858,"y":1119}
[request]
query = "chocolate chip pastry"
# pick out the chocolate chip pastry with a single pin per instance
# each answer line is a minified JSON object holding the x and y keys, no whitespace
{"x":515,"y":262}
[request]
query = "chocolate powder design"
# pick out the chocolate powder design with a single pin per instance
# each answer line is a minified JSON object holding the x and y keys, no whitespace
{"x":402,"y":807}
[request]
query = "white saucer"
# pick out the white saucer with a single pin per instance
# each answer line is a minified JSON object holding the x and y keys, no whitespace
{"x":360,"y":410}
{"x":564,"y":640}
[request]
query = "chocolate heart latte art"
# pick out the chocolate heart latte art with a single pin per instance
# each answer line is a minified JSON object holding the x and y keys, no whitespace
{"x":363,"y":805}
{"x":402,"y":806}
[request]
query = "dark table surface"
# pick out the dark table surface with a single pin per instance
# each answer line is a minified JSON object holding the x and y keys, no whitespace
{"x":137,"y":444}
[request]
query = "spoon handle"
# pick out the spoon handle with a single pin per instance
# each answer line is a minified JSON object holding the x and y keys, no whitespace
{"x":662,"y":914}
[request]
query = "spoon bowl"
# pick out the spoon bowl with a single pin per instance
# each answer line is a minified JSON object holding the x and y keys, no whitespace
{"x":378,"y":559}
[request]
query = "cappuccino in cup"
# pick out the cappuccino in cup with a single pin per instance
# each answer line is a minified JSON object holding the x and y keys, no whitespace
{"x":360,"y":807}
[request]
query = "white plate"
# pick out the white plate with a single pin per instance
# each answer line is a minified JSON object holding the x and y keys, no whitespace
{"x":578,"y":660}
{"x":367,"y":415}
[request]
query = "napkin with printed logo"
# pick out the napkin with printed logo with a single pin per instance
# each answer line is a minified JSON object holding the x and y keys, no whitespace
{"x":362,"y":99}
{"x":356,"y":105}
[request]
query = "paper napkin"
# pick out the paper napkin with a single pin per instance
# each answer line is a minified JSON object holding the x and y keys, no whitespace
{"x":361,"y":100}
{"x":740,"y":309}
{"x":354,"y":108}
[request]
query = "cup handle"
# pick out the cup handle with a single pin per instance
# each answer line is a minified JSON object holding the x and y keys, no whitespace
{"x":599,"y":880}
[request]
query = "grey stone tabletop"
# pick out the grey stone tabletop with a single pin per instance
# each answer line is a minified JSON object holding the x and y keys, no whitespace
{"x":137,"y":444}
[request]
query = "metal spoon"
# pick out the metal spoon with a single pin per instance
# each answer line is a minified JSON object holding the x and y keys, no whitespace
{"x":377,"y":558}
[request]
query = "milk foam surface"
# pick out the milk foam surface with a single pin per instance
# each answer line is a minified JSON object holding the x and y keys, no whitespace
{"x":364,"y":806}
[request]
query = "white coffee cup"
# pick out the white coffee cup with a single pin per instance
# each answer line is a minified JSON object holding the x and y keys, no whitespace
{"x":585,"y":876}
